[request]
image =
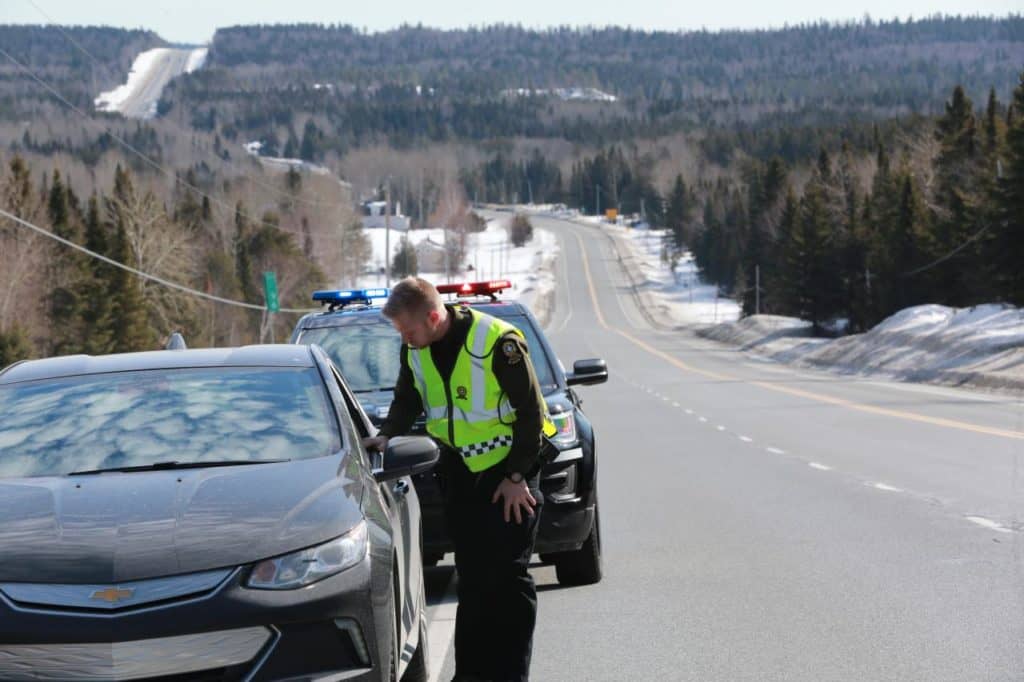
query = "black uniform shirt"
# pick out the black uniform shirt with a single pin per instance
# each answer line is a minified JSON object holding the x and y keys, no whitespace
{"x":513,"y":370}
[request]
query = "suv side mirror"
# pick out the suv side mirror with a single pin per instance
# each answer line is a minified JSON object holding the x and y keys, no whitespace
{"x":587,"y":372}
{"x":407,"y":456}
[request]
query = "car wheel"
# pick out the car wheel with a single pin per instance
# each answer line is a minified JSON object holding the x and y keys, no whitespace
{"x":417,"y":670}
{"x":582,"y":567}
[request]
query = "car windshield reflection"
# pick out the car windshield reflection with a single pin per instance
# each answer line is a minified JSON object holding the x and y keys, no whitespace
{"x":134,"y":419}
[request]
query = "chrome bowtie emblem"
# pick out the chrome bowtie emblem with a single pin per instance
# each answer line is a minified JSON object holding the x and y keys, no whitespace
{"x":113,"y":594}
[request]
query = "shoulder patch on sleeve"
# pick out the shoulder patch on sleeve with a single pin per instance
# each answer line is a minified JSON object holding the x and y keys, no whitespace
{"x":511,"y":351}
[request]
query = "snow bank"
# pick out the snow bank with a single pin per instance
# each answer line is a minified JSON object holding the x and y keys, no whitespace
{"x":196,"y":59}
{"x":981,"y":346}
{"x":676,"y":298}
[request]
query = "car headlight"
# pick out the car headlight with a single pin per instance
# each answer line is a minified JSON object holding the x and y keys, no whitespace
{"x":307,"y":566}
{"x":565,"y":425}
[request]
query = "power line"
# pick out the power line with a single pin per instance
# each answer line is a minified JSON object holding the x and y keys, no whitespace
{"x":141,"y":155}
{"x":949,"y":255}
{"x":110,"y":72}
{"x":145,"y":275}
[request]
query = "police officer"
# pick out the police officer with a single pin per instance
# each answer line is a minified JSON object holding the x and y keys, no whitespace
{"x":471,"y":374}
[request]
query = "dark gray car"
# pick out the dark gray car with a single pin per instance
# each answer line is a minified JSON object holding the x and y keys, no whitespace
{"x":206,"y":515}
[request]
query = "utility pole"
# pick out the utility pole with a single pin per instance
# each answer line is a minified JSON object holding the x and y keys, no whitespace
{"x":387,"y":233}
{"x":757,"y":289}
{"x":597,"y":197}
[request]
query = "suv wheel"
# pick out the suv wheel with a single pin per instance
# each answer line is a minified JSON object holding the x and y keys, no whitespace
{"x":582,"y":567}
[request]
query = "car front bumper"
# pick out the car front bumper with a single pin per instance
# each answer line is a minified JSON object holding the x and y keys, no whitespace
{"x":323,"y":631}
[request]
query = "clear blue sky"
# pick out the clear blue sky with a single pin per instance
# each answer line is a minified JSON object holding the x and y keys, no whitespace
{"x":194,"y":21}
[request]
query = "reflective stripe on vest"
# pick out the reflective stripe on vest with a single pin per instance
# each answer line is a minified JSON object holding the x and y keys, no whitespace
{"x":480,"y":424}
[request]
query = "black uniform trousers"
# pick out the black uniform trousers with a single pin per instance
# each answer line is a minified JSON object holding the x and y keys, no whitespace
{"x":497,"y":607}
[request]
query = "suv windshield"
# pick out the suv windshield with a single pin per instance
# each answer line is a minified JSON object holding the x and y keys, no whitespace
{"x":368,"y":352}
{"x":101,"y":421}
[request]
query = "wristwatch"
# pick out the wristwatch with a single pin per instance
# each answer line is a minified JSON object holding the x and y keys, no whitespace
{"x":515,"y":477}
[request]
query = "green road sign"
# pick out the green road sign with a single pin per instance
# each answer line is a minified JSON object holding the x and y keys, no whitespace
{"x":270,"y":291}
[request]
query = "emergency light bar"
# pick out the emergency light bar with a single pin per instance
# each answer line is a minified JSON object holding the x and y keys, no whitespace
{"x":489,"y":288}
{"x":343,"y":297}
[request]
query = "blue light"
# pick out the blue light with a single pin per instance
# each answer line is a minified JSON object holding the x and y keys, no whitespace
{"x":349,"y":296}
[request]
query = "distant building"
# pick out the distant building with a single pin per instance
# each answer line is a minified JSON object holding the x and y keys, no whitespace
{"x":430,"y":256}
{"x":373,"y":216}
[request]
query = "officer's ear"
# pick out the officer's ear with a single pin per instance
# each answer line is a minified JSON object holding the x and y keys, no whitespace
{"x":434,"y":317}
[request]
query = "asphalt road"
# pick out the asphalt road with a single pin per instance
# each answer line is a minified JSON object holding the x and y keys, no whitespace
{"x":169,"y":64}
{"x":765,"y":523}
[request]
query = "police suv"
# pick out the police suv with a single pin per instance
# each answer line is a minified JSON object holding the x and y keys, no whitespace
{"x":366,"y":349}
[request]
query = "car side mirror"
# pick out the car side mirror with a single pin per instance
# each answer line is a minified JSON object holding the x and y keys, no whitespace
{"x":587,"y":372}
{"x":407,"y":456}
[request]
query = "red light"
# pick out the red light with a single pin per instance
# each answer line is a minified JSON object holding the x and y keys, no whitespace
{"x":475,"y":288}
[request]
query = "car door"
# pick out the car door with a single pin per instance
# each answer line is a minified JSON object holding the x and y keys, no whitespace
{"x":404,"y":511}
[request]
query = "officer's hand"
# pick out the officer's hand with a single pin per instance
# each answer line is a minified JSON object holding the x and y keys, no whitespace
{"x":517,"y":499}
{"x":378,"y":443}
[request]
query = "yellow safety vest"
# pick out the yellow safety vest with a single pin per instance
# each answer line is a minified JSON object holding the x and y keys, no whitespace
{"x":471,"y":413}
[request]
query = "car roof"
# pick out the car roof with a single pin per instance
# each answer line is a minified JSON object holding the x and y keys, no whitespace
{"x":275,"y":355}
{"x":373,"y":313}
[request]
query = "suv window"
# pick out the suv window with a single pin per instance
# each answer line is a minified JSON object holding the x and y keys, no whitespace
{"x":368,"y":352}
{"x":55,"y":426}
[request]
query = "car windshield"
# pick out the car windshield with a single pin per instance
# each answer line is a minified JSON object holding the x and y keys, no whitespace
{"x":58,"y":426}
{"x":368,"y":353}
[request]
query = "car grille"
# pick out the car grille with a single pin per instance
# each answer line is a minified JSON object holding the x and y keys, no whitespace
{"x":196,"y":657}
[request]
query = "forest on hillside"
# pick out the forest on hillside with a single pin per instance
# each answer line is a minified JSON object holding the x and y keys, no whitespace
{"x":850,"y":168}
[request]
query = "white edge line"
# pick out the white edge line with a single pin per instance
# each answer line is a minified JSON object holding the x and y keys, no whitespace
{"x":819,"y":467}
{"x":988,"y":523}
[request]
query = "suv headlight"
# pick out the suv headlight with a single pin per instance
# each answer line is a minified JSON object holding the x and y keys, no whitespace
{"x":307,"y":566}
{"x":565,"y":424}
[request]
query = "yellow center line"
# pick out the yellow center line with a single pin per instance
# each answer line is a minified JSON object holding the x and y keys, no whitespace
{"x":840,"y":402}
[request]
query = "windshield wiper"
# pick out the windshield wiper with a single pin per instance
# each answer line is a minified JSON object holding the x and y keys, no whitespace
{"x":160,"y":466}
{"x":373,"y":390}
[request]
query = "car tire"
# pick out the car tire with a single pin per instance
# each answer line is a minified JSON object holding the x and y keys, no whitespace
{"x":582,"y":567}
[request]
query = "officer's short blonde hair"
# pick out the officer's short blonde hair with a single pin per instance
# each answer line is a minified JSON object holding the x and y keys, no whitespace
{"x":412,"y":295}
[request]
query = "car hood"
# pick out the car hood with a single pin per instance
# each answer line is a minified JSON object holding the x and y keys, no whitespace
{"x":117,"y":527}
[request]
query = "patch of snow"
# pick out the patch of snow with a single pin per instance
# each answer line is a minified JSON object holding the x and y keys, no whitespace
{"x":196,"y":59}
{"x":565,"y":94}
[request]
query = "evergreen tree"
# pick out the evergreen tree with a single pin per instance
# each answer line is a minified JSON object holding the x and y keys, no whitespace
{"x":69,"y":275}
{"x":130,"y":329}
{"x":961,"y":277}
{"x":404,"y":263}
{"x":678,"y":212}
{"x":14,"y":346}
{"x":1008,"y":238}
{"x":97,"y":316}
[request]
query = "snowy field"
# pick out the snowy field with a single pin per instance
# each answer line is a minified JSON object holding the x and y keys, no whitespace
{"x":491,"y":256}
